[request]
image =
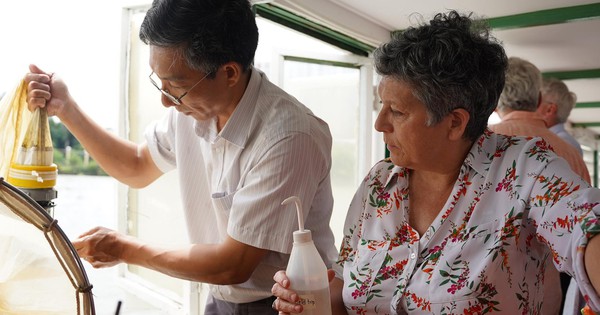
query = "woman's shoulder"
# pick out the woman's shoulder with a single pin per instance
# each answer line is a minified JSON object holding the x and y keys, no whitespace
{"x":493,"y":152}
{"x":495,"y":145}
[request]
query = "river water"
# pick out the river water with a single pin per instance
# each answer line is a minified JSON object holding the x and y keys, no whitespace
{"x":84,"y":202}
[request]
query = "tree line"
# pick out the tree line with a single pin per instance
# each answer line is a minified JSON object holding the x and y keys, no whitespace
{"x":69,"y":155}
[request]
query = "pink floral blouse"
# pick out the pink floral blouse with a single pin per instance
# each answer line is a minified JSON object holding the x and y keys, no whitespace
{"x":514,"y":206}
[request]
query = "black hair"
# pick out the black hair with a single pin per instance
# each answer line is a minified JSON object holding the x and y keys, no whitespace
{"x":209,"y":33}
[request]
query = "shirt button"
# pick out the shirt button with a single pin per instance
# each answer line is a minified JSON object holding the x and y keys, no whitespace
{"x":412,"y":256}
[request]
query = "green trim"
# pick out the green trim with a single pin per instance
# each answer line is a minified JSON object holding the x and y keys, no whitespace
{"x":310,"y":28}
{"x":586,"y":124}
{"x":573,"y":75}
{"x":547,"y":17}
{"x":595,"y":179}
{"x":587,"y":105}
{"x":321,"y":62}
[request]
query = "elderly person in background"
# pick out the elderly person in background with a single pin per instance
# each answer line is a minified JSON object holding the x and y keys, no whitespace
{"x":517,"y":110}
{"x":555,"y":108}
{"x":459,"y":220}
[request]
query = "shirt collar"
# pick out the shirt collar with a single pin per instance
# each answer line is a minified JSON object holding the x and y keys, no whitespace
{"x":237,"y":128}
{"x":397,"y":171}
{"x":482,"y":150}
{"x":558,"y":128}
{"x":531,"y":117}
{"x":487,"y":147}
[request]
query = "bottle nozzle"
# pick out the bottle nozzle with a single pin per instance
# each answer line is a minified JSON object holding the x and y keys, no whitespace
{"x":298,"y":203}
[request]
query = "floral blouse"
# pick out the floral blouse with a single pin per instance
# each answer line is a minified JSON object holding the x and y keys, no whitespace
{"x":514,"y":206}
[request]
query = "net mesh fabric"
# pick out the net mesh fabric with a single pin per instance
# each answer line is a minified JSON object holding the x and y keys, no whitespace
{"x":40,"y":272}
{"x":14,"y":119}
{"x":36,"y":148}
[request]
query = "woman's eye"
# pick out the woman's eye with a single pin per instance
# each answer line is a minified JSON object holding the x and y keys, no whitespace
{"x":395,"y":112}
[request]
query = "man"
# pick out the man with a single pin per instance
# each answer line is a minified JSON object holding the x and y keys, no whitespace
{"x":517,"y":107}
{"x":240,"y":144}
{"x":555,"y":108}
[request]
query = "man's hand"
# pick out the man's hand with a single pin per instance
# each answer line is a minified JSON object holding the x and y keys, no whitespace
{"x":102,"y":247}
{"x":46,"y":90}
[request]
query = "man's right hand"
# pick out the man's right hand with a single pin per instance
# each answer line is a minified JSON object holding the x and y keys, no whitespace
{"x":46,"y":90}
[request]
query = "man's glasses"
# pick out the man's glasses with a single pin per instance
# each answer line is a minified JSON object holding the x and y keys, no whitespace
{"x":173,"y":99}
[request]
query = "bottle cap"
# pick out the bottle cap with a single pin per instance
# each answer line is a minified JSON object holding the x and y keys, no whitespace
{"x":302,"y":236}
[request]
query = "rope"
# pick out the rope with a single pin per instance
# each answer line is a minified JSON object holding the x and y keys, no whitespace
{"x":87,"y":289}
{"x":82,"y":290}
{"x":47,"y":229}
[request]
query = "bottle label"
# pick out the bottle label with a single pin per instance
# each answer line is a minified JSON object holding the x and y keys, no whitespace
{"x":308,"y":301}
{"x":315,"y":302}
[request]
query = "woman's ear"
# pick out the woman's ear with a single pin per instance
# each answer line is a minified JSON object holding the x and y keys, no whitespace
{"x":458,"y":123}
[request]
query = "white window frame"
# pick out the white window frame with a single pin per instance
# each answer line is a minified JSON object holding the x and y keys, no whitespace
{"x":369,"y":150}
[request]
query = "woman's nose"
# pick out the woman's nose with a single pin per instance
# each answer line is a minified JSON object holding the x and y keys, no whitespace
{"x":382,"y":123}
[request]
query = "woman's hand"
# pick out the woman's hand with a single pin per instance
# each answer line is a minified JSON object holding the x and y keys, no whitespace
{"x":286,"y":298}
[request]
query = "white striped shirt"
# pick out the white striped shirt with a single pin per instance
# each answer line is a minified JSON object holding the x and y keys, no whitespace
{"x":233,"y":182}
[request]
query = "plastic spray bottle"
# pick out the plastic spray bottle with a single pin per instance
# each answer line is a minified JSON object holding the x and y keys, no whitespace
{"x":306,"y":270}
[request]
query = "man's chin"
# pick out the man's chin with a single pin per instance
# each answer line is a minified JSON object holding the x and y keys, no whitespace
{"x":198,"y":116}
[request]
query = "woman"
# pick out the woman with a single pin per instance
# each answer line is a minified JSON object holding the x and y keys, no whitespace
{"x":458,"y":220}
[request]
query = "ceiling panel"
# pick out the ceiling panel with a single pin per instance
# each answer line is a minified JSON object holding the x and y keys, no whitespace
{"x":558,"y":47}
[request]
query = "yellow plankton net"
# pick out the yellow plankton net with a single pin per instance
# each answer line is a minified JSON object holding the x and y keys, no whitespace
{"x":27,"y":153}
{"x":40,"y":271}
{"x":14,"y":120}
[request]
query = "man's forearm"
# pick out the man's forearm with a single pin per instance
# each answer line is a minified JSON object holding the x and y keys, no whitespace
{"x":120,"y":158}
{"x":230,"y":262}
